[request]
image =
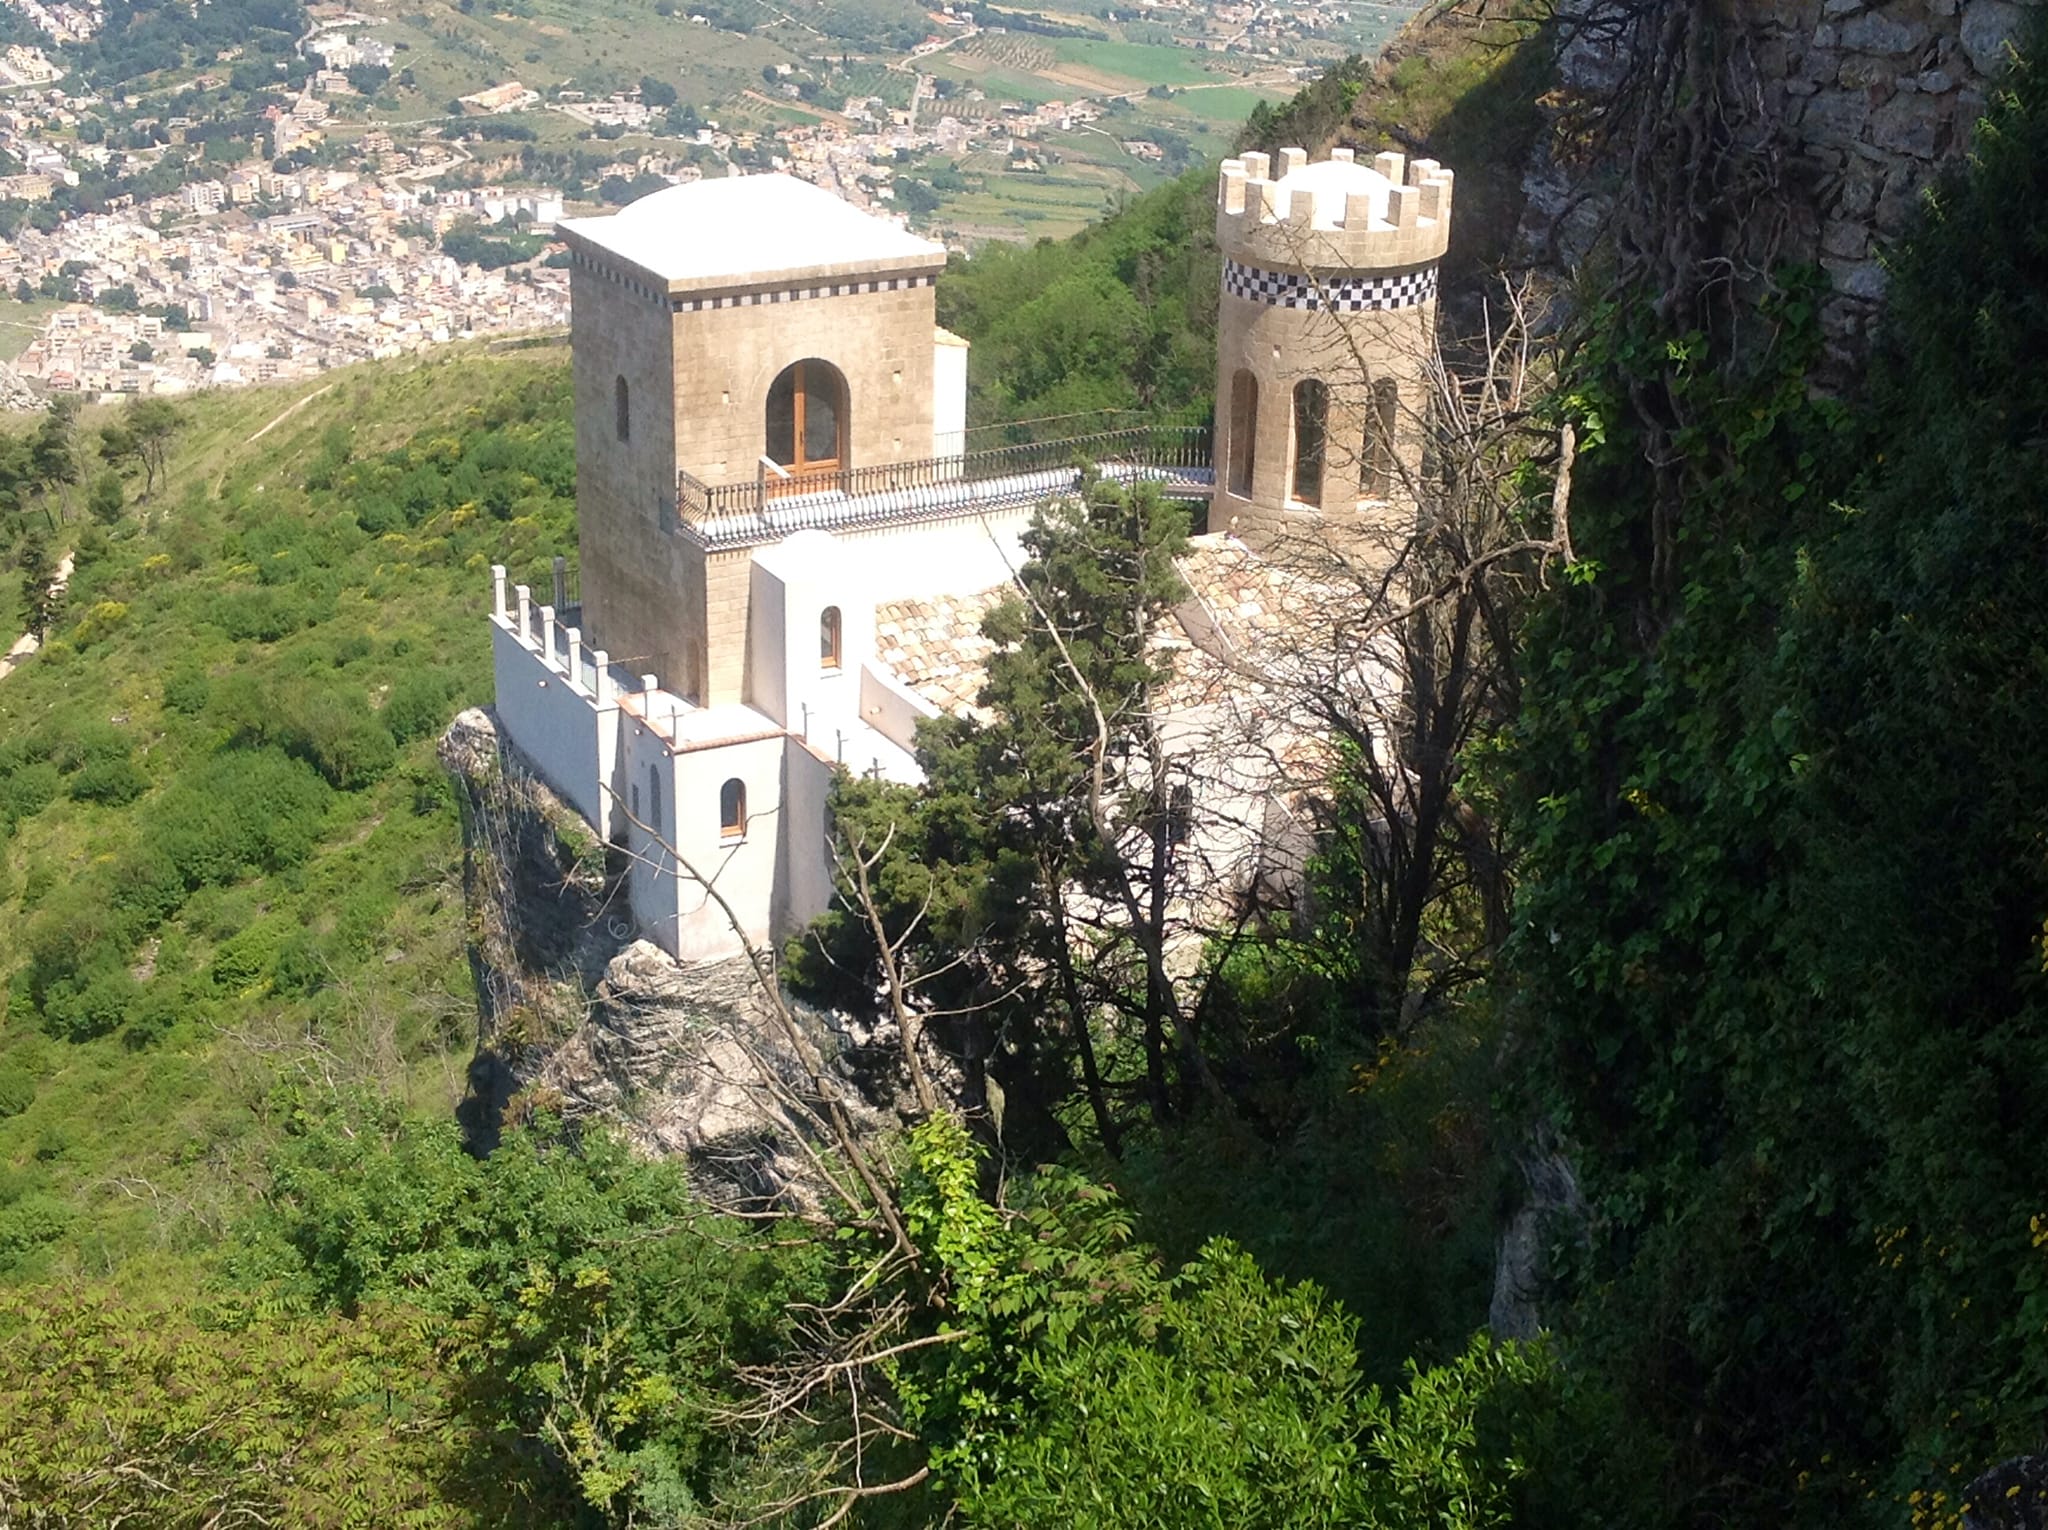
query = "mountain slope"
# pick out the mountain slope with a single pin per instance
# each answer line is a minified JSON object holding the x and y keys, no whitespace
{"x":227,"y":859}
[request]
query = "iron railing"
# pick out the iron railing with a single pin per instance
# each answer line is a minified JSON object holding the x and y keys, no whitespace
{"x":772,"y":505}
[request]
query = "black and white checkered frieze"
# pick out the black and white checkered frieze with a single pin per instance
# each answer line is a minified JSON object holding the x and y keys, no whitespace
{"x":1337,"y":294}
{"x":799,"y":294}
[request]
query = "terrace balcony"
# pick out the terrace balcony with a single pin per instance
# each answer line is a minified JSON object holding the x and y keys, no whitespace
{"x":774,"y":504}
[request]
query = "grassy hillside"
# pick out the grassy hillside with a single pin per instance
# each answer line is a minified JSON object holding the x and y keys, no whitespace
{"x":227,"y":859}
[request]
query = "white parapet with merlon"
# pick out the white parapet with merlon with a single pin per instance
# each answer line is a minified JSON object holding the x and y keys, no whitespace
{"x":557,"y":705}
{"x":1334,"y":214}
{"x":892,"y":708}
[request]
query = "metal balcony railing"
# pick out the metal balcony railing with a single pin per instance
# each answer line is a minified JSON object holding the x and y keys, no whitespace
{"x":773,"y":505}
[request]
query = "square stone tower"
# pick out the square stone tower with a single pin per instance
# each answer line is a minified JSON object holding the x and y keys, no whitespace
{"x":756,"y":337}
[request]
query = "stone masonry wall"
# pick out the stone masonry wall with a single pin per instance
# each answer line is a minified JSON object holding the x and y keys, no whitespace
{"x":1869,"y":103}
{"x":1875,"y":99}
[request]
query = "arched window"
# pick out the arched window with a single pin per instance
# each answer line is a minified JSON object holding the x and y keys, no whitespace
{"x":732,"y":809}
{"x":1311,"y":429}
{"x":1377,"y":482}
{"x":828,"y":639}
{"x":622,"y":410}
{"x":807,"y":420}
{"x":1244,"y":432}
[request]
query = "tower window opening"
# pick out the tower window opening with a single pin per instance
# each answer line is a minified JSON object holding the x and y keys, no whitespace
{"x":1244,"y":432}
{"x":622,"y":409}
{"x":732,"y":809}
{"x":1311,"y":430}
{"x":1378,"y":480}
{"x":654,"y":797}
{"x":1180,"y":814}
{"x":828,"y":640}
{"x":806,"y":421}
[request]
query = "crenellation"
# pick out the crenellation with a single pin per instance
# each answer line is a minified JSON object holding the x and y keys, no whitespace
{"x":1335,"y":214}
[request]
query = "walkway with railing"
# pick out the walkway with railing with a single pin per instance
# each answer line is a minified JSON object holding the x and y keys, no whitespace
{"x":770,"y":507}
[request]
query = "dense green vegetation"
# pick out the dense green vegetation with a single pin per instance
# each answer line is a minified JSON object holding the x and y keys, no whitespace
{"x":1121,"y":317}
{"x":219,"y":812}
{"x":1781,"y":955}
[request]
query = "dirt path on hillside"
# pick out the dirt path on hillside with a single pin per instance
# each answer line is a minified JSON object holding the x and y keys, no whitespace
{"x":28,"y":642}
{"x":287,"y":412}
{"x":275,"y":420}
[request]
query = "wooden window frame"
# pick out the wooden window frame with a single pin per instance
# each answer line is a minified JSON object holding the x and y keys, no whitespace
{"x":831,"y":641}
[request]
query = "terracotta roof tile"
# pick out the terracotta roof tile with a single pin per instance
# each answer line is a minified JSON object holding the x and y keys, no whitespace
{"x":935,"y":646}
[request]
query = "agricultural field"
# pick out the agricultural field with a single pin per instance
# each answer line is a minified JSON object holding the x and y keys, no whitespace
{"x":20,"y":322}
{"x":783,"y":72}
{"x":596,"y":45}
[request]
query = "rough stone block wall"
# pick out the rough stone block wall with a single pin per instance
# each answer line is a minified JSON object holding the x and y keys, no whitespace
{"x":1280,"y":347}
{"x":728,"y":582}
{"x":726,"y":360}
{"x":1868,"y":102}
{"x":642,"y":583}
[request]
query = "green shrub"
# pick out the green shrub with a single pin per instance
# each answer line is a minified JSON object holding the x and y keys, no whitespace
{"x":186,"y":692}
{"x":28,"y":1225}
{"x":89,"y":744}
{"x":29,"y":790}
{"x":17,"y":1091}
{"x":418,"y":705}
{"x":163,"y":1005}
{"x":148,"y":883}
{"x":336,"y":733}
{"x":248,"y":958}
{"x":98,"y":1006}
{"x":259,"y":616}
{"x":109,"y":782}
{"x":299,"y":969}
{"x":245,"y":808}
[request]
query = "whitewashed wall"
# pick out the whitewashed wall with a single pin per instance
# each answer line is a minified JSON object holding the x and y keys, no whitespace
{"x":571,"y":739}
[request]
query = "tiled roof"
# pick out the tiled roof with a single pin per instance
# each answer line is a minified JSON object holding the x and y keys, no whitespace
{"x":1247,"y":614}
{"x":936,"y":648}
{"x":1252,"y":599}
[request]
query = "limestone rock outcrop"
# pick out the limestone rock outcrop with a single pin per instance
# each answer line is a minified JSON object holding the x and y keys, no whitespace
{"x":579,"y":1017}
{"x":2013,"y":1495}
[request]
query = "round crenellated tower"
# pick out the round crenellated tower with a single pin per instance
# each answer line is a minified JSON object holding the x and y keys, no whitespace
{"x":1327,"y":321}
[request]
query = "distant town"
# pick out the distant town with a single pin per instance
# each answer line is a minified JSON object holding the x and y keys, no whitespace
{"x":325,"y":237}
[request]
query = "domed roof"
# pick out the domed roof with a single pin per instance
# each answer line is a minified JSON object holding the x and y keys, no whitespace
{"x":1333,"y":181}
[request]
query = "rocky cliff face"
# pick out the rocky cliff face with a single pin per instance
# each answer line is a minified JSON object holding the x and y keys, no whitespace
{"x":579,"y":1017}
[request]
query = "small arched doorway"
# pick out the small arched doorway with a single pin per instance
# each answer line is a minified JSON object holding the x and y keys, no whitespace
{"x":806,"y":424}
